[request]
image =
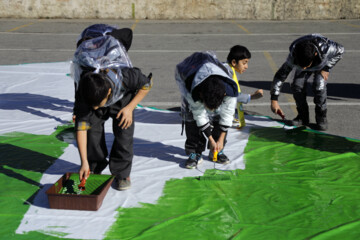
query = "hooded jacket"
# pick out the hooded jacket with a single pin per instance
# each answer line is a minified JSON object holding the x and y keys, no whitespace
{"x":329,"y":53}
{"x":196,"y":68}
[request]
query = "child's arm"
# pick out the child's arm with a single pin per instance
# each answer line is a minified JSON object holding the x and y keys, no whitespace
{"x":220,"y":141}
{"x":246,"y":98}
{"x":257,"y":94}
{"x":275,"y":107}
{"x":136,"y":81}
{"x":81,"y":139}
{"x":217,"y":146}
{"x":334,"y":55}
{"x":280,"y":77}
{"x":126,"y":113}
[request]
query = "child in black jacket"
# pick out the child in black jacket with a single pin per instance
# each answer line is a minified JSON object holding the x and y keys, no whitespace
{"x":106,"y":86}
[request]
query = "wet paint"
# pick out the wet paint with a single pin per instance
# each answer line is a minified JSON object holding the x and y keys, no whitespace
{"x":296,"y":185}
{"x":94,"y":184}
{"x":23,"y":159}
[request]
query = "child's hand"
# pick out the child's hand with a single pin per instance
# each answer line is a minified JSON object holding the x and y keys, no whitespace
{"x":275,"y":108}
{"x":257,"y":94}
{"x":212,"y":144}
{"x":325,"y":75}
{"x":84,"y":171}
{"x":219,"y":145}
{"x":73,"y":118}
{"x":126,"y":117}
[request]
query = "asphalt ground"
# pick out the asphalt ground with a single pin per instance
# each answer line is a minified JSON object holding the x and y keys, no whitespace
{"x":159,"y":45}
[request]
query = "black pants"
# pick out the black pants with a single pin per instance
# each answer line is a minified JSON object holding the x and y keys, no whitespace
{"x":121,"y":155}
{"x":195,"y":140}
{"x":299,"y":86}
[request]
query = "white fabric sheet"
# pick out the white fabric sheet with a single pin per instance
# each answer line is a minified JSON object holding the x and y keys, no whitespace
{"x":36,"y":98}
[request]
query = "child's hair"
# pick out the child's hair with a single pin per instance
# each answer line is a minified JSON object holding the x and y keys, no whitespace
{"x":212,"y":92}
{"x":237,"y":53}
{"x":94,"y":88}
{"x":304,"y":53}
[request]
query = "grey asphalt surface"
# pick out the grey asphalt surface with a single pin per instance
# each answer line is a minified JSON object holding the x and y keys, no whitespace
{"x":159,"y":45}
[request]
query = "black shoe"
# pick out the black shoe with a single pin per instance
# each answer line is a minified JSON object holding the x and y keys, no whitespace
{"x":322,"y":125}
{"x":221,"y":157}
{"x":122,"y":183}
{"x":321,"y":121}
{"x":298,"y":121}
{"x":193,"y":160}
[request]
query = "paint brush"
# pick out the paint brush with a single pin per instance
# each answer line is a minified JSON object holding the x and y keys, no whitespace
{"x":81,"y":186}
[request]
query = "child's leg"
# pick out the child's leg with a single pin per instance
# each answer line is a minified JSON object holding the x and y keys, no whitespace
{"x":122,"y":151}
{"x":195,"y":141}
{"x":96,"y":145}
{"x":299,"y":92}
{"x":320,"y":95}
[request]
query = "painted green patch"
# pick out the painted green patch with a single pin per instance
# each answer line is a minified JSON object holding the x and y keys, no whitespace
{"x":94,"y":184}
{"x":296,"y":185}
{"x":23,"y":159}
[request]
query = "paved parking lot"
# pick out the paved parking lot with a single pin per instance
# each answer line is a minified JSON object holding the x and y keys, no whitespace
{"x":159,"y":45}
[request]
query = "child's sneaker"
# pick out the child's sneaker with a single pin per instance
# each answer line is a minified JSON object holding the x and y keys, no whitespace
{"x":221,"y":157}
{"x":298,"y":121}
{"x":122,"y":184}
{"x":193,"y":160}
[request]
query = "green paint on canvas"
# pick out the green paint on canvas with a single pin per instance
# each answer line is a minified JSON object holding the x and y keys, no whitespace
{"x":23,"y":159}
{"x":296,"y":185}
{"x":94,"y":184}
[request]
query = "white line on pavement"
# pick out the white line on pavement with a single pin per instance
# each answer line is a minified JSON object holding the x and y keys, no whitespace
{"x":190,"y":34}
{"x":152,"y":51}
{"x":169,"y":104}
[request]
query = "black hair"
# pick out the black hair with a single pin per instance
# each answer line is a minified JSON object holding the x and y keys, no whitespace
{"x":212,"y":92}
{"x":237,"y":53}
{"x":304,"y":53}
{"x":94,"y":88}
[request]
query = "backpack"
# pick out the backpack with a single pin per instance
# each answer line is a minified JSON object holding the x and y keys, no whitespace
{"x":102,"y":53}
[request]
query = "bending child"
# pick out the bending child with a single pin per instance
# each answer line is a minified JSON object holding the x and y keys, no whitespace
{"x":209,"y":96}
{"x":309,"y":55}
{"x":107,"y":86}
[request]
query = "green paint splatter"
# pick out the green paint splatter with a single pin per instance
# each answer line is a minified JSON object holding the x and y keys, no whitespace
{"x":23,"y":159}
{"x":296,"y":185}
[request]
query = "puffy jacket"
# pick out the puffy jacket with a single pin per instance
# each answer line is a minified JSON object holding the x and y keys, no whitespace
{"x":329,"y":53}
{"x":198,"y":67}
{"x":123,"y":35}
{"x":98,"y":54}
{"x":104,"y":53}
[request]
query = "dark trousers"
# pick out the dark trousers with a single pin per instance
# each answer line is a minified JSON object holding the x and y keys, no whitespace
{"x":195,"y":140}
{"x":299,"y":86}
{"x":121,"y":155}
